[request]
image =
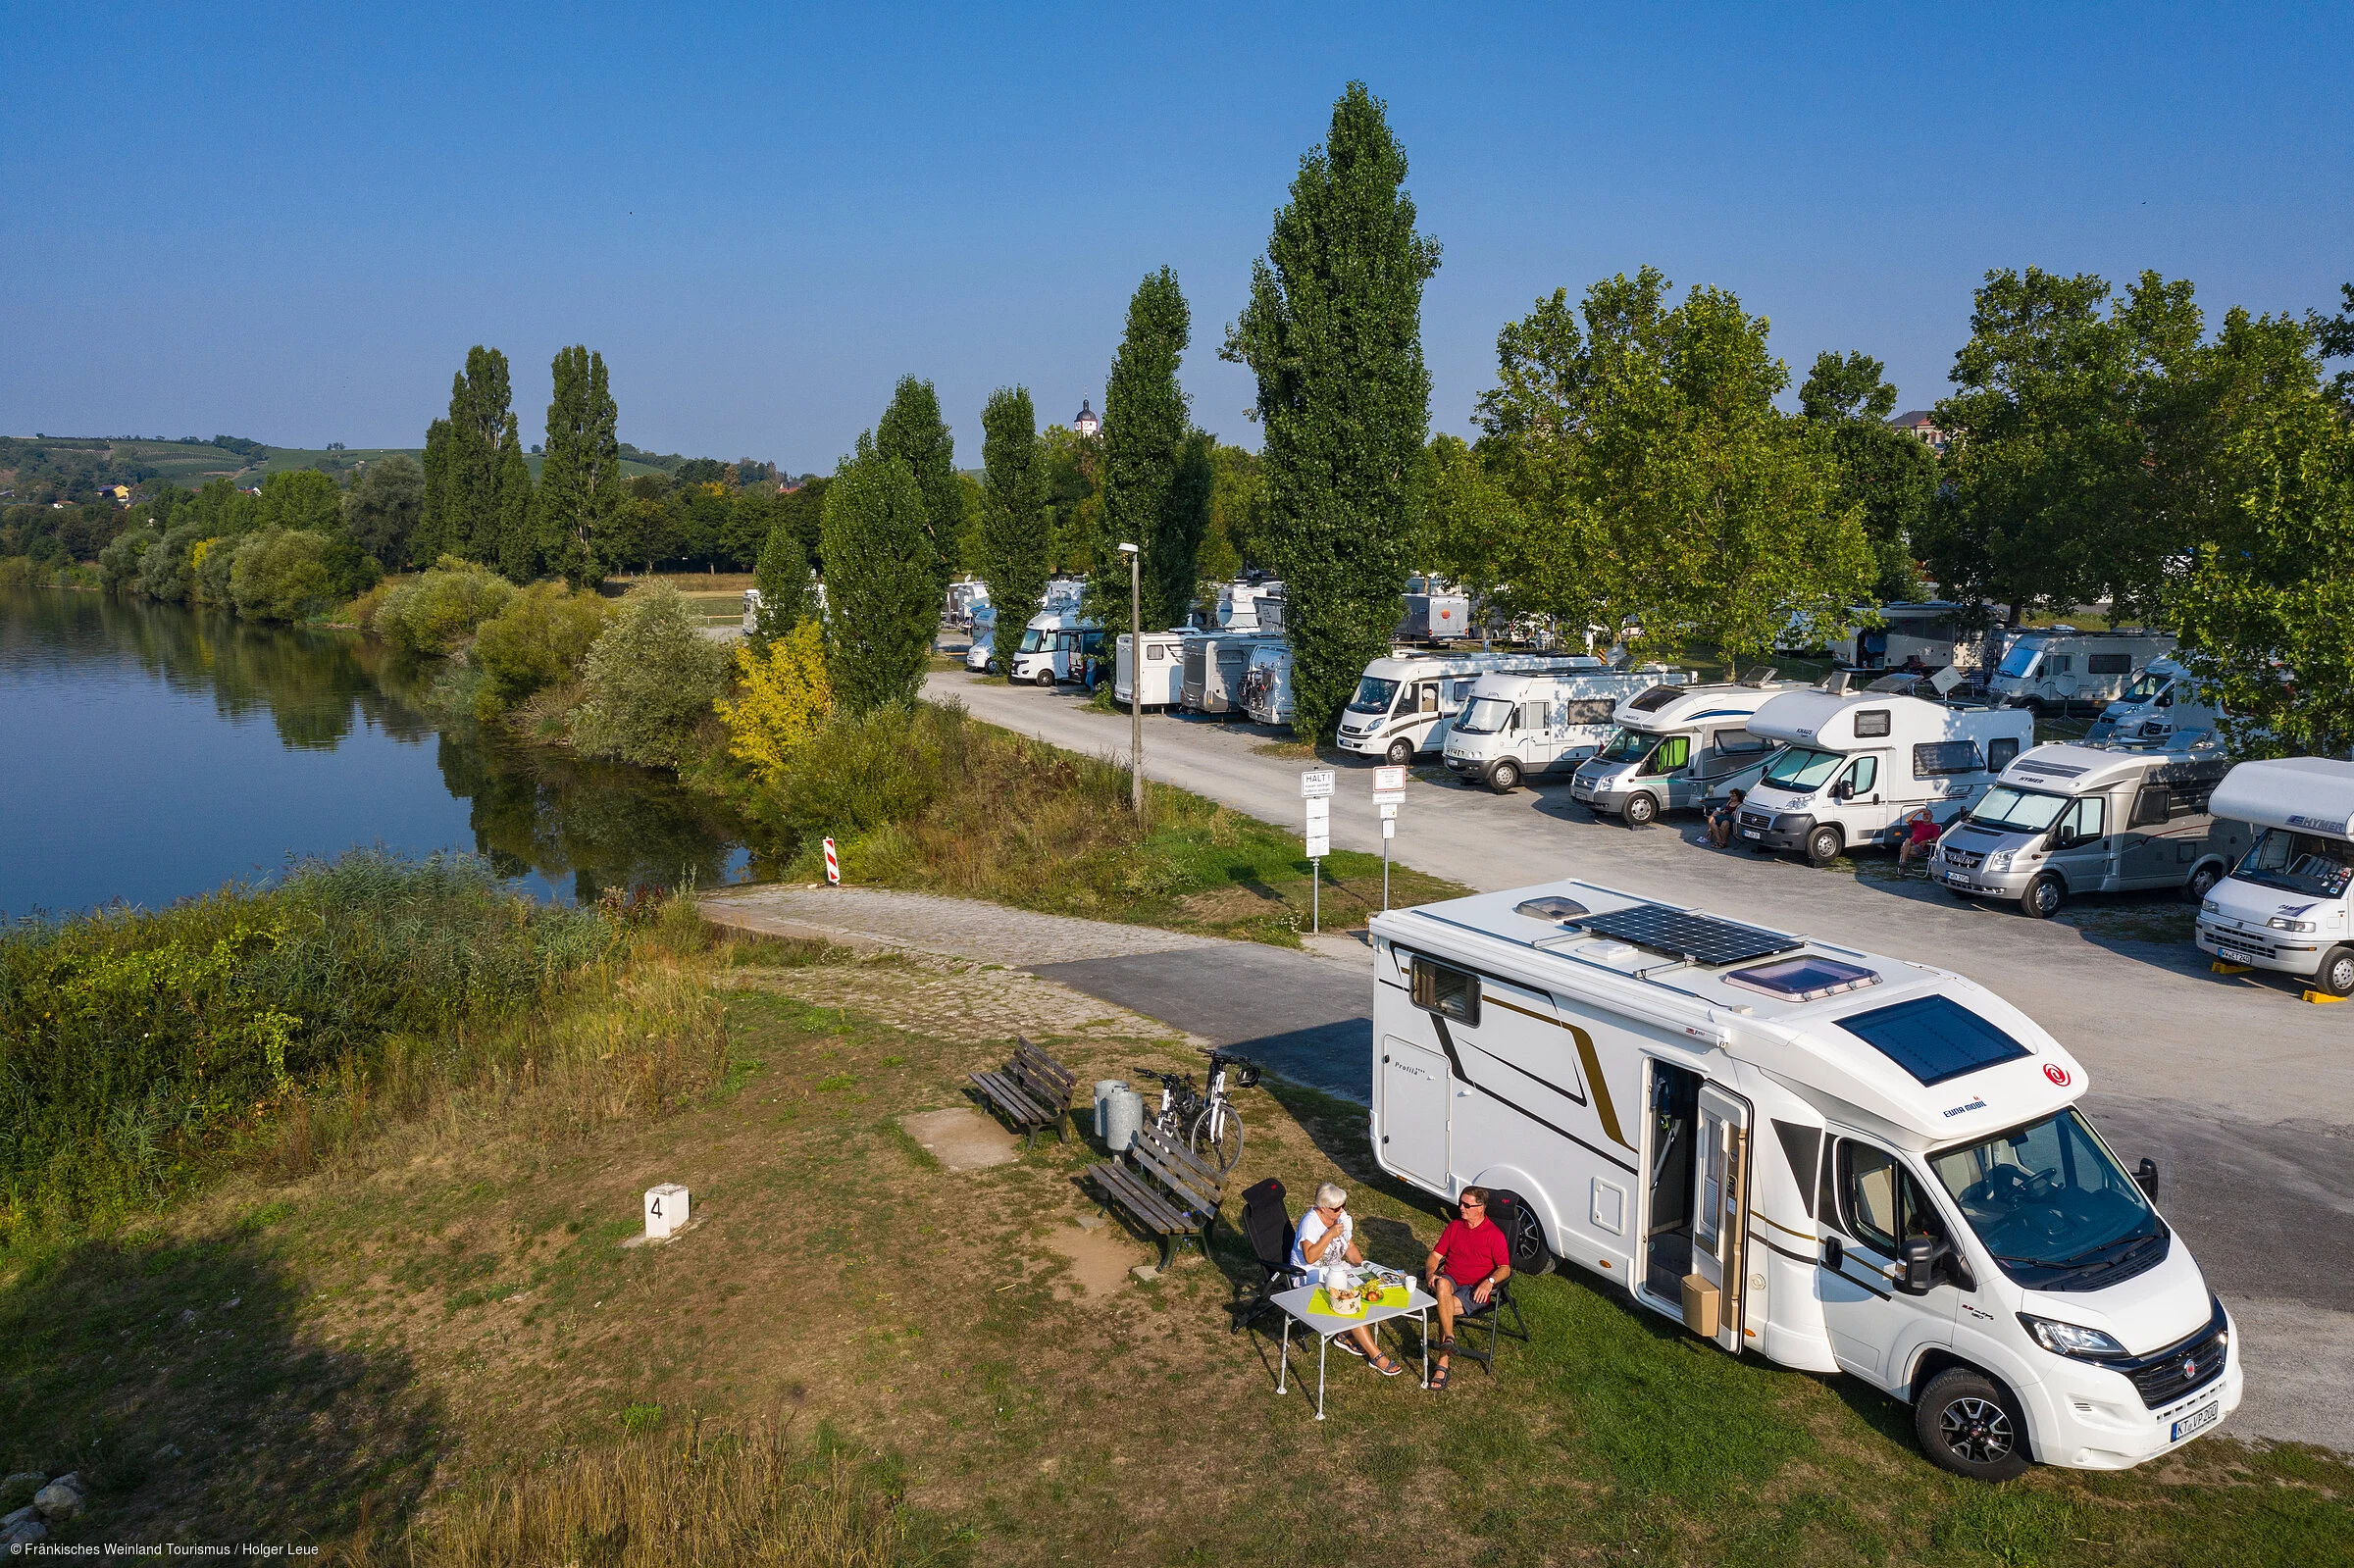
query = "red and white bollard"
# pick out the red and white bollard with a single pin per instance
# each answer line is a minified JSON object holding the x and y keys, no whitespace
{"x":833,"y":866}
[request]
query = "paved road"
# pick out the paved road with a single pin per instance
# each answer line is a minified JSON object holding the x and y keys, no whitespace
{"x":2243,"y":1093}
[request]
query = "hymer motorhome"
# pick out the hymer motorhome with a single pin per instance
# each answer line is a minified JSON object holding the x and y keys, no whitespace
{"x":1517,"y":726}
{"x":2164,"y":706}
{"x":2065,"y":819}
{"x":1055,"y":647}
{"x":1840,"y":1161}
{"x":1405,"y":703}
{"x":1677,"y":746}
{"x":2285,"y":906}
{"x":2064,"y":668}
{"x":1855,"y":765}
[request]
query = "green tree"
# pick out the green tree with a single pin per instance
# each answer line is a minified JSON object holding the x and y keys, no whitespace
{"x":1014,"y":526}
{"x":912,"y":432}
{"x":1890,"y":473}
{"x":2334,"y":338}
{"x":281,"y":574}
{"x":880,"y":613}
{"x":471,"y":501}
{"x":1333,"y":332}
{"x":1074,"y":497}
{"x":1173,"y":557}
{"x":518,"y":539}
{"x":783,"y":578}
{"x":299,"y":498}
{"x":1146,"y":422}
{"x":580,"y":498}
{"x":380,"y":511}
{"x":648,"y":680}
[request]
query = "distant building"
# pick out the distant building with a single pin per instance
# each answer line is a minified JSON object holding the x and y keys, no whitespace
{"x":1086,"y":423}
{"x":1922,"y":424}
{"x":120,"y":494}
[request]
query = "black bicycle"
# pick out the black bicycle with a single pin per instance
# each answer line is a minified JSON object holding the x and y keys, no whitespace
{"x":1210,"y":1124}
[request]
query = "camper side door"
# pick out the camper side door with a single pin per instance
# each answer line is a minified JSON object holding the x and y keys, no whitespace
{"x":1721,"y":1205}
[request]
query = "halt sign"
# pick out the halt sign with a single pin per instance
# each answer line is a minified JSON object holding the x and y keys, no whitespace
{"x":1317,"y":784}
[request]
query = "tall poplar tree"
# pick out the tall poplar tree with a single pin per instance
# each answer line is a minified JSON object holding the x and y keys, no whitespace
{"x":1014,"y":527}
{"x":518,"y":556}
{"x":880,"y":614}
{"x":1144,"y":429}
{"x":912,"y":430}
{"x":470,"y":494}
{"x":580,"y":501}
{"x":1334,"y":332}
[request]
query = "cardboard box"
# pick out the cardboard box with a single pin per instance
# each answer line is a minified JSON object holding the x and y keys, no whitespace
{"x":1702,"y":1306}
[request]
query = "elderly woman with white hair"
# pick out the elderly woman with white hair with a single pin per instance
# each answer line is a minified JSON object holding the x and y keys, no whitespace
{"x":1326,"y":1234}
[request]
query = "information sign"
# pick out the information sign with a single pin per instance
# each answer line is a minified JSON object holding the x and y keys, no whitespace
{"x":1315,"y":783}
{"x":1387,"y":778}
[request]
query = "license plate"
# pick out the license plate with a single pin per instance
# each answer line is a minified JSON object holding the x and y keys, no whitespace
{"x":1753,"y":832}
{"x":2197,"y":1420}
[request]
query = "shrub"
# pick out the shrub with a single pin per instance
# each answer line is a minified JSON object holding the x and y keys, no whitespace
{"x":118,"y":561}
{"x":786,"y":698}
{"x":167,"y":570}
{"x":647,"y":682}
{"x":281,"y":574}
{"x":214,"y":561}
{"x":537,"y":641}
{"x":862,"y":771}
{"x":436,"y":611}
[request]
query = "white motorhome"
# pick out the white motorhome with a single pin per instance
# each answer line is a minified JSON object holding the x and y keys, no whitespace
{"x":1165,"y":667}
{"x":1515,"y":726}
{"x":2064,"y":668}
{"x":1214,"y":666}
{"x":2285,"y":906}
{"x":1055,"y":647}
{"x":1854,"y":765}
{"x":2093,"y":817}
{"x":1679,"y":746}
{"x":1840,"y":1161}
{"x":981,"y":655}
{"x":1405,"y":703}
{"x":963,"y":597}
{"x":1266,"y":693}
{"x":1936,"y":631}
{"x":2164,"y":706}
{"x":1238,"y":606}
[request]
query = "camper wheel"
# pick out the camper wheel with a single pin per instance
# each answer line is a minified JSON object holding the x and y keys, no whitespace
{"x":2202,"y":882}
{"x":1641,"y":810}
{"x":1045,"y":677}
{"x":1525,"y":1234}
{"x":1401,"y":752}
{"x":1505,"y":776}
{"x":1823,"y":845}
{"x":2043,"y":897}
{"x":1968,"y":1423}
{"x":2335,"y":977}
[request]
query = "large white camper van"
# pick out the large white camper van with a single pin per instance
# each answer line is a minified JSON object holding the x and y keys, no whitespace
{"x":2164,"y":706}
{"x":2066,"y":819}
{"x":2285,"y":906}
{"x":1854,"y":765}
{"x":1840,"y":1161}
{"x":1677,"y":746}
{"x":1516,"y":724}
{"x":1055,"y":647}
{"x":1165,"y":667}
{"x":2064,"y":669}
{"x":1405,"y":703}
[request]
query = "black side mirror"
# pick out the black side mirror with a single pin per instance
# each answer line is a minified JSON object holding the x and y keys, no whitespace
{"x":1833,"y":1254}
{"x":1842,"y":790}
{"x":1917,"y":1260}
{"x":2145,"y":1176}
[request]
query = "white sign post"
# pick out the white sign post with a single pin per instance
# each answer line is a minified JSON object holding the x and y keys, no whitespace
{"x":1317,"y":786}
{"x":1389,"y":788}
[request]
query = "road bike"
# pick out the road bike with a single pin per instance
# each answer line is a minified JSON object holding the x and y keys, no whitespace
{"x":1210,"y":1126}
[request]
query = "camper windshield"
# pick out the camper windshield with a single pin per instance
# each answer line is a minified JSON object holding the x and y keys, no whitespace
{"x":2298,"y":863}
{"x":2020,"y":659}
{"x":1373,"y":696}
{"x":2016,"y":810}
{"x":1484,"y":717}
{"x":2052,"y":1206}
{"x":1801,"y":767}
{"x":2143,"y":689}
{"x":1032,"y":640}
{"x":1628,"y":745}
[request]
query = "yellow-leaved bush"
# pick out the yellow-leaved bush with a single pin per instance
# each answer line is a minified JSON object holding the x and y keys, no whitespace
{"x":781,"y":701}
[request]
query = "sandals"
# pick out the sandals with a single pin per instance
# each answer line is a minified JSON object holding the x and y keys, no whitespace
{"x":1438,"y":1380}
{"x":1349,"y":1346}
{"x":1385,"y":1366}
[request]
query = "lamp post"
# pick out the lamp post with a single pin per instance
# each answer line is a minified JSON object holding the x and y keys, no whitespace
{"x":1135,"y":680}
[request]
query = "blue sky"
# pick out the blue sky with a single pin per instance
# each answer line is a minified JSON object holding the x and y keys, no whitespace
{"x":290,"y":222}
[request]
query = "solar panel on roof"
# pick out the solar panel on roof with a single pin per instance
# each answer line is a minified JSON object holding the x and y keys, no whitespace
{"x":1701,"y":938}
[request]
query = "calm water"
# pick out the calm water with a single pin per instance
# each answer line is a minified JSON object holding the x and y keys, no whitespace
{"x":149,"y":752}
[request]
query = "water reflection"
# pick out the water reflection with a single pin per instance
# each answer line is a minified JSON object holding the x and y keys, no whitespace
{"x":135,"y":764}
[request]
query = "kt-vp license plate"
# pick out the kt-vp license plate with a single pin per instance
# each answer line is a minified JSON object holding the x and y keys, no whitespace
{"x":1753,"y":832}
{"x":2197,"y":1420}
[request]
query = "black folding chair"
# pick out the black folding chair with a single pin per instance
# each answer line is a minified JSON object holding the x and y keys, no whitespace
{"x":1267,"y":1222}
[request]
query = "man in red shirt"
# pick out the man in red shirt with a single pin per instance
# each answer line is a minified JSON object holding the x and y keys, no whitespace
{"x":1472,"y":1258}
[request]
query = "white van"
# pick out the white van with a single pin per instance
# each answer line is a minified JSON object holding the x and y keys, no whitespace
{"x":1165,"y":667}
{"x":1405,"y":703}
{"x":1267,"y":693}
{"x":2284,"y":907}
{"x":2164,"y":706}
{"x":2064,"y":668}
{"x":2065,"y":819}
{"x":1679,"y":746}
{"x":1055,"y":647}
{"x":1838,"y":1161}
{"x":1517,"y":726}
{"x":1856,"y":764}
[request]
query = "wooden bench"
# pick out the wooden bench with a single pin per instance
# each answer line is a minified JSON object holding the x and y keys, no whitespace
{"x":1033,"y":1089}
{"x":1170,"y":1191}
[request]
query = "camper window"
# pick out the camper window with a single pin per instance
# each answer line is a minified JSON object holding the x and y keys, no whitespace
{"x":1862,"y":779}
{"x":2084,"y":822}
{"x":2008,"y":809}
{"x":2019,"y":661}
{"x":1589,"y":711}
{"x":2000,"y":754}
{"x":2298,"y":863}
{"x":1427,"y":696}
{"x":2144,"y":689}
{"x":1939,"y":758}
{"x":1674,"y":753}
{"x":2107,"y":664}
{"x":1655,"y":698}
{"x":1880,"y":1201}
{"x":2152,"y":806}
{"x":1373,"y":696}
{"x":1801,"y":767}
{"x":1032,"y":640}
{"x":1872,"y":724}
{"x":1532,"y":716}
{"x":1628,"y":745}
{"x":1153,"y":650}
{"x":1933,"y":1037}
{"x":1485,"y":717}
{"x":1446,"y":991}
{"x":1737,"y":741}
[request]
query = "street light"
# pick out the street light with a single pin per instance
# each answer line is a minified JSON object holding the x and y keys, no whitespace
{"x":1135,"y":680}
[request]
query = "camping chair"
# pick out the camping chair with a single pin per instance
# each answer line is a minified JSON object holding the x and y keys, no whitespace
{"x":1499,"y":1300}
{"x":1268,"y":1225}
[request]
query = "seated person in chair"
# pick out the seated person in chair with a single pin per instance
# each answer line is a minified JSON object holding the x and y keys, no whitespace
{"x":1325,"y":1236}
{"x":1470,"y":1261}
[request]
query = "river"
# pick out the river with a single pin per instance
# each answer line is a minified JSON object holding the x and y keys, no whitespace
{"x":150,"y":752}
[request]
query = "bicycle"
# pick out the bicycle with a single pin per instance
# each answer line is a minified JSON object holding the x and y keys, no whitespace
{"x":1211,"y":1127}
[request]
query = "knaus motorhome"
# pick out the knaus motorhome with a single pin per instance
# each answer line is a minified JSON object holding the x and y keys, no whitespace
{"x":1840,"y":1161}
{"x":1165,"y":667}
{"x":1405,"y":703}
{"x":2061,"y":668}
{"x":1677,"y":746}
{"x":2285,"y":906}
{"x":2164,"y":706}
{"x":1055,"y":647}
{"x":2065,"y":819}
{"x":1854,"y":765}
{"x":1517,"y":726}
